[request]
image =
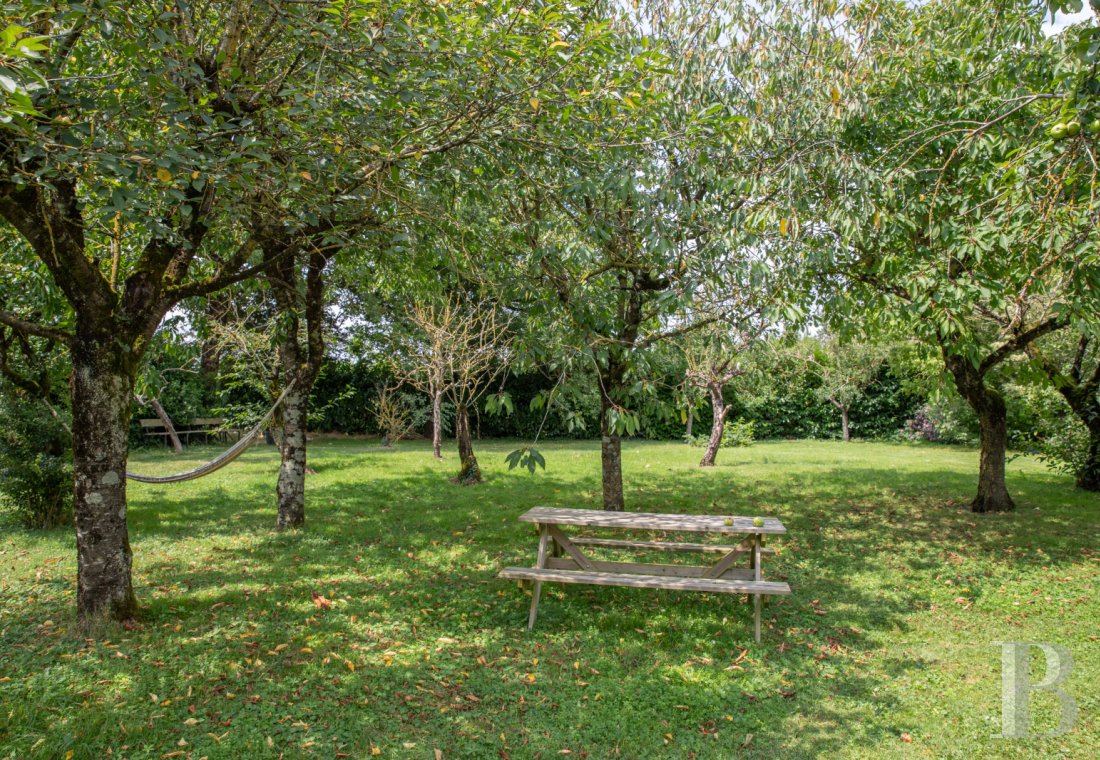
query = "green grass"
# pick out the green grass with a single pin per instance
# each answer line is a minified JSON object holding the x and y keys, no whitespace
{"x":884,"y":649}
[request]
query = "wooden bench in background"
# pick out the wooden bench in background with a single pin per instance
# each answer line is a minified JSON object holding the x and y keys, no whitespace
{"x":208,"y":427}
{"x":561,"y":560}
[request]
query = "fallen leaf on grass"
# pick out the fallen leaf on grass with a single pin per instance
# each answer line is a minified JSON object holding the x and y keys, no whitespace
{"x":320,"y":602}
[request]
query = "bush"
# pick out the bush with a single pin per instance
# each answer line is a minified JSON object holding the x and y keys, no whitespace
{"x":944,"y":420}
{"x":740,"y":433}
{"x":1041,"y":422}
{"x":36,"y":463}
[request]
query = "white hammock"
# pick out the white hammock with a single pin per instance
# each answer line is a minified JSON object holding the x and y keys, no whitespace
{"x":220,"y":461}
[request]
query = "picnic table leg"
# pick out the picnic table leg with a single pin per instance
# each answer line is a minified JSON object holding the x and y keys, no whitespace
{"x":757,"y":575}
{"x":544,"y":538}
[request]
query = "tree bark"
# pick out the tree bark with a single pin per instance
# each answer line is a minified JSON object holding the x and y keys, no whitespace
{"x":845,"y":431}
{"x":611,"y":460}
{"x":989,"y":405}
{"x":720,"y":409}
{"x":690,"y":422}
{"x":300,"y":360}
{"x":102,"y":388}
{"x":437,"y":424}
{"x":291,"y":488}
{"x":470,"y":472}
{"x":1088,"y":478}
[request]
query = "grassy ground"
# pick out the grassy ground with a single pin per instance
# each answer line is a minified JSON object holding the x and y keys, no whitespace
{"x":884,"y":649}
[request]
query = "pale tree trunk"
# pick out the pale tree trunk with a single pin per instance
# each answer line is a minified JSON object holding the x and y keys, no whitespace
{"x":718,"y":405}
{"x":690,"y":421}
{"x":102,"y":388}
{"x":291,"y":488}
{"x":845,"y":430}
{"x":300,"y":363}
{"x":989,"y":405}
{"x":611,"y":461}
{"x":165,"y":420}
{"x":470,"y":473}
{"x":437,"y":424}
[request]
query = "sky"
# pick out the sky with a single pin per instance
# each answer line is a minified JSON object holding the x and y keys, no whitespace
{"x":1062,"y":20}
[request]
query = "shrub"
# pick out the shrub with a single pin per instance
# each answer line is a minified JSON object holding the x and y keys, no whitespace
{"x":739,"y":433}
{"x":36,"y":463}
{"x":1040,"y":422}
{"x":945,"y":420}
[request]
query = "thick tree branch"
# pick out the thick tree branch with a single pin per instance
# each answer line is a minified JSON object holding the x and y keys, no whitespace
{"x":26,"y":327}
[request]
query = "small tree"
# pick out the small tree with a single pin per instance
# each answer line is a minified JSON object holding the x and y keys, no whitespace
{"x":846,"y":370}
{"x":395,"y":415}
{"x":457,"y":351}
{"x":713,"y":361}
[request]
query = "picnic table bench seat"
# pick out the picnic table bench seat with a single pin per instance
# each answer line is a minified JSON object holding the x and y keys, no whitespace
{"x":561,"y":557}
{"x":637,"y":580}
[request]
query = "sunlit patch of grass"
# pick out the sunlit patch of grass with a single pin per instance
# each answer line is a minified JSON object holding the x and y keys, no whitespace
{"x":382,"y":625}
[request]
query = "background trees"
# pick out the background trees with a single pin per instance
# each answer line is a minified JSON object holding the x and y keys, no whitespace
{"x":603,"y":179}
{"x":937,"y":231}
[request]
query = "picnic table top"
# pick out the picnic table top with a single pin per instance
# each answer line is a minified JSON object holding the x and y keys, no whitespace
{"x":598,"y":518}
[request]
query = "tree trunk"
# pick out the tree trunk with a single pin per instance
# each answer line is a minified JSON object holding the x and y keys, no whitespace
{"x":470,"y":472}
{"x":989,"y":405}
{"x":992,"y":490}
{"x":437,"y":424}
{"x":291,"y":489}
{"x":217,"y":310}
{"x":718,"y":405}
{"x":690,"y":422}
{"x":102,"y":388}
{"x":845,"y":432}
{"x":165,"y":420}
{"x":611,"y":461}
{"x":1088,"y":477}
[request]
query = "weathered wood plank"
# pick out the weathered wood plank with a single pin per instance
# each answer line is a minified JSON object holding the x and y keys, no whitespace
{"x":714,"y":585}
{"x":725,"y":564}
{"x":598,"y":518}
{"x":669,"y":546}
{"x":644,"y":568}
{"x":757,"y":574}
{"x":563,"y":541}
{"x":540,"y":562}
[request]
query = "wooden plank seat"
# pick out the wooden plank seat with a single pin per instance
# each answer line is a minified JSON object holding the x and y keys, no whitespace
{"x":712,"y":585}
{"x":669,"y":546}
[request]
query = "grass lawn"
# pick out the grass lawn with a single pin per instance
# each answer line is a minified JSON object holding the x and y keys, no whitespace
{"x":884,"y":649}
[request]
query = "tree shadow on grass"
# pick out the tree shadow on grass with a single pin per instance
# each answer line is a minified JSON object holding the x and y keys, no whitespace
{"x":404,"y":566}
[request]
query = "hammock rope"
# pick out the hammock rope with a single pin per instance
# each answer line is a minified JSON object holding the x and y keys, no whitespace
{"x":220,"y":461}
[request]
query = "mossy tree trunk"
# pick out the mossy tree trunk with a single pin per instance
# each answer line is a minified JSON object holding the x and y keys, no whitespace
{"x":989,"y":406}
{"x":301,"y":353}
{"x":470,"y":473}
{"x":611,"y":460}
{"x":104,"y":373}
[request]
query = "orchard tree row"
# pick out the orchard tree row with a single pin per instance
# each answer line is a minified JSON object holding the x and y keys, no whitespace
{"x":496,"y":186}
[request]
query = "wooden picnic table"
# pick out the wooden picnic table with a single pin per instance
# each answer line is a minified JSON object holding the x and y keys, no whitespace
{"x":561,"y":560}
